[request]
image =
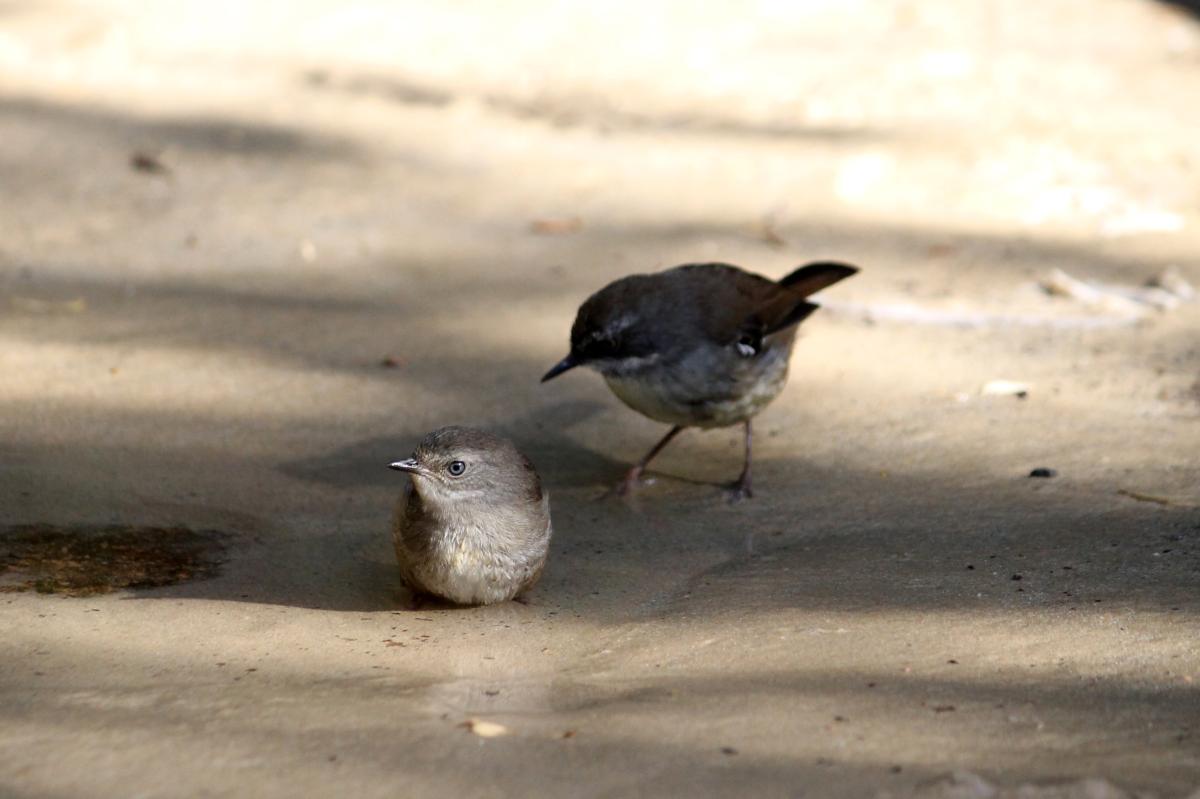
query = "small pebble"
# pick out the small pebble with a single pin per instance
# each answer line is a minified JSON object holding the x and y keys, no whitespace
{"x":1042,"y":471}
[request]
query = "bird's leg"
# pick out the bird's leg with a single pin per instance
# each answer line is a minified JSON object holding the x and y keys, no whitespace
{"x":633,"y":475}
{"x":741,"y":489}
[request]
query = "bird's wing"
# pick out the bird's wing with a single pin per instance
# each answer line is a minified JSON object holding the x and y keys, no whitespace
{"x":782,"y":314}
{"x":729,"y":305}
{"x":720,"y":299}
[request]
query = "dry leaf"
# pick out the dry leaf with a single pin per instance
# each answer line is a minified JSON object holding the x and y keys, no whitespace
{"x":485,"y":729}
{"x":765,"y":229}
{"x":551,"y":227}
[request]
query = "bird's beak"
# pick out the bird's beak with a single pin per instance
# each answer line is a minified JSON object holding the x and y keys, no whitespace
{"x":411,"y":466}
{"x":569,"y":362}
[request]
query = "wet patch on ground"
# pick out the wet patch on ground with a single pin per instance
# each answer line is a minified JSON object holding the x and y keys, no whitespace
{"x":88,"y":560}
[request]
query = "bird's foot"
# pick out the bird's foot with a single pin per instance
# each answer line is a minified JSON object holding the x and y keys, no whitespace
{"x":626,"y":488}
{"x":632,"y":481}
{"x":739,"y":490}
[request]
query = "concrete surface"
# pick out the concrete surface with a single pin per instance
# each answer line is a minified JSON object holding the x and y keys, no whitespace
{"x":201,"y":344}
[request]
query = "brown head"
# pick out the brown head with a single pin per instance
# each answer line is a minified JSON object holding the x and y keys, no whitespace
{"x":643,"y":320}
{"x":463,"y":464}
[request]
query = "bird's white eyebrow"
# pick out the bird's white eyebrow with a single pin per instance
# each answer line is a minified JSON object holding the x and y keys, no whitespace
{"x":620,"y":323}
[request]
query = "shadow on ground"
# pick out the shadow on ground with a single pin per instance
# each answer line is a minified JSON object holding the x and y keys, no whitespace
{"x":832,"y":729}
{"x":123,"y":131}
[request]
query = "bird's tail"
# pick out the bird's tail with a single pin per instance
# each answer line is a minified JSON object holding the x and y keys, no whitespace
{"x":811,"y":278}
{"x":792,"y":307}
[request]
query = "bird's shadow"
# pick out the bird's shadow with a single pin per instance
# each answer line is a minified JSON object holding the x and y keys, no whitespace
{"x":351,"y":565}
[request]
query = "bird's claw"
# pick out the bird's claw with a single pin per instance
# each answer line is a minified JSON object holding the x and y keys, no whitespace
{"x":632,"y":482}
{"x":739,"y":491}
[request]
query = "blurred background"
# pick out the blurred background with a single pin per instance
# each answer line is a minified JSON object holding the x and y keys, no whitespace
{"x":250,"y":252}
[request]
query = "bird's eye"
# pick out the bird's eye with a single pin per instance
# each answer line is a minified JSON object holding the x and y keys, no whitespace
{"x":456,"y":468}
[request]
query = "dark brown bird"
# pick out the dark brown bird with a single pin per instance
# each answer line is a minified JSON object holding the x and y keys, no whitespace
{"x":473,"y":524}
{"x":700,"y":345}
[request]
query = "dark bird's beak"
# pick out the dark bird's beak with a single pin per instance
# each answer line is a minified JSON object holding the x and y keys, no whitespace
{"x":409,"y":465}
{"x":569,"y":362}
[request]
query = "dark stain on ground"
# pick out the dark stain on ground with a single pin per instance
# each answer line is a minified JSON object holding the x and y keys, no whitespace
{"x":83,"y":561}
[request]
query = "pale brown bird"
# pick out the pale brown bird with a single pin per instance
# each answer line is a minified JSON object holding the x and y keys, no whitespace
{"x":473,"y":524}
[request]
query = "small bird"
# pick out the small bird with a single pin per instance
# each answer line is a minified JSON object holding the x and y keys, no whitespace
{"x":699,"y":345}
{"x":473,"y":524}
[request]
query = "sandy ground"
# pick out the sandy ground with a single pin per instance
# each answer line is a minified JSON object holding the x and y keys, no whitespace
{"x":326,"y":185}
